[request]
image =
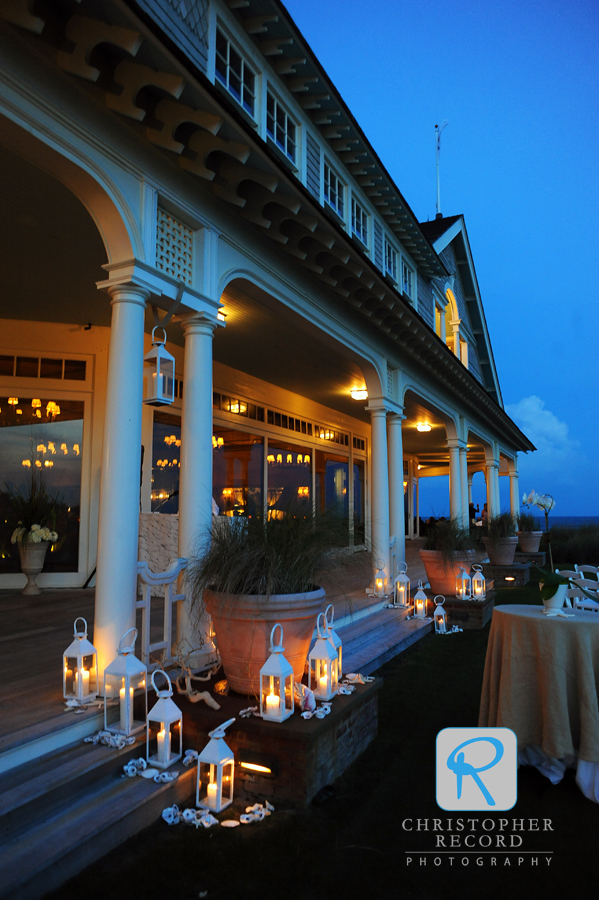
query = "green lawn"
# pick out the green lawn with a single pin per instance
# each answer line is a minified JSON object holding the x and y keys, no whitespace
{"x":353,"y":846}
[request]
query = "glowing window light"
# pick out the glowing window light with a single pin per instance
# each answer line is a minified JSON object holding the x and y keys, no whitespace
{"x":13,"y":401}
{"x":36,"y":404}
{"x":51,"y":447}
{"x":300,"y":458}
{"x":19,"y":412}
{"x":48,"y":463}
{"x":38,"y":464}
{"x":279,"y":457}
{"x":26,"y":463}
{"x":289,"y":458}
{"x":307,"y":460}
{"x":64,"y":449}
{"x":41,"y":448}
{"x":75,"y":446}
{"x":270,"y":458}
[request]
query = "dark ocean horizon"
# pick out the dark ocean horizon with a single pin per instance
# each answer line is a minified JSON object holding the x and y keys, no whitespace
{"x":571,"y":521}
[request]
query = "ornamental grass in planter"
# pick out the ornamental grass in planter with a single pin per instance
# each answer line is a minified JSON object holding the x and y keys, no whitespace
{"x":447,"y":549}
{"x":529,"y":534}
{"x":500,"y":539}
{"x":256,"y":573}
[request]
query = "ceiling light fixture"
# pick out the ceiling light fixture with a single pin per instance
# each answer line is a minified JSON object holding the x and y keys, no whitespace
{"x":423,"y":426}
{"x":359,"y":394}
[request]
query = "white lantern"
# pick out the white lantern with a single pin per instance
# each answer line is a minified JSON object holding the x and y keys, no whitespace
{"x":323,"y":665}
{"x":122,"y":678}
{"x":463,"y":585}
{"x":402,"y":587}
{"x":334,"y":637}
{"x":420,"y":602}
{"x":159,"y":374}
{"x":215,"y":772}
{"x":380,"y":580}
{"x":479,"y":585}
{"x":276,"y":683}
{"x":80,"y":667}
{"x":439,"y":615}
{"x":164,"y":736}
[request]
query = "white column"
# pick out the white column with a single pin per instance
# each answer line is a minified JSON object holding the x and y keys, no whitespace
{"x":379,"y":481}
{"x":118,"y":529}
{"x":514,"y":490}
{"x":492,"y":478}
{"x":455,"y":482}
{"x":397,"y":522}
{"x":469,"y":489}
{"x":195,"y":485}
{"x":464,"y":483}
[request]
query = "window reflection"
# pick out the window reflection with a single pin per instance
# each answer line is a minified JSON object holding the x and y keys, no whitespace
{"x":166,"y":463}
{"x":237,"y":460}
{"x":289,"y":479}
{"x":47,"y":434}
{"x":332,"y":484}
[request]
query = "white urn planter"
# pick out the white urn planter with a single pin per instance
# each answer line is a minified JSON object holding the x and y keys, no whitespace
{"x":33,"y":556}
{"x":559,"y":598}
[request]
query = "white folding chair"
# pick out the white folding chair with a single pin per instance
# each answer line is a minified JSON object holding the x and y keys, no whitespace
{"x":585,"y":594}
{"x":593,"y":571}
{"x":569,"y":573}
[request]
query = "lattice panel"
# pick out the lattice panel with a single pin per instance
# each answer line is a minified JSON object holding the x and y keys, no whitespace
{"x":174,"y":247}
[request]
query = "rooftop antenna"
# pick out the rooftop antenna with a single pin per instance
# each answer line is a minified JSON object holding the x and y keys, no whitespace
{"x":438,"y":130}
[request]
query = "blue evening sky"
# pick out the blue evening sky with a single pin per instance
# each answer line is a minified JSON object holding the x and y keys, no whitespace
{"x":518,"y":84}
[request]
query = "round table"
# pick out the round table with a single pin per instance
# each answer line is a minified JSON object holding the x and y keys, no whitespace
{"x":541,"y":680}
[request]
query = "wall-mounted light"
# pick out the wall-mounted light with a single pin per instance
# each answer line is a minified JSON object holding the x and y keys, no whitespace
{"x":221,"y":314}
{"x":359,"y":394}
{"x":423,"y":426}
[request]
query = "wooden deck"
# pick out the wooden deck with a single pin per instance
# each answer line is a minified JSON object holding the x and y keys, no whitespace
{"x":37,"y":630}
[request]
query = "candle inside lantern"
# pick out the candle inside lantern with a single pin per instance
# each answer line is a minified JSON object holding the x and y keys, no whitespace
{"x":84,"y":682}
{"x":272,"y":705}
{"x":420,"y":606}
{"x":164,"y":746}
{"x":126,"y":721}
{"x":211,"y":796}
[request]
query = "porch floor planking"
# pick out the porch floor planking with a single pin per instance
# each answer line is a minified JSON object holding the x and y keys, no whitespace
{"x":37,"y":630}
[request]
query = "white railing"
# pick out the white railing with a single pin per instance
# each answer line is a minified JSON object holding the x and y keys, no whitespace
{"x":149,"y":580}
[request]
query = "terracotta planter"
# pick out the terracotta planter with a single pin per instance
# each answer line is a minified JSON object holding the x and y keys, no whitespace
{"x":442,"y":572}
{"x":243,"y":623}
{"x":32,"y":562}
{"x":501,"y":550}
{"x":529,"y":541}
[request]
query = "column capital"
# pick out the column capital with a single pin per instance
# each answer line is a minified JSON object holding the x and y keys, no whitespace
{"x":383,"y":404}
{"x":128,"y":293}
{"x":457,"y":444}
{"x":200,"y":323}
{"x":396,"y":416}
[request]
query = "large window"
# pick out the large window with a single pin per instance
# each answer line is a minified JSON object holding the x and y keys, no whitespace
{"x":359,"y":221}
{"x":237,"y":461}
{"x":289,"y":479}
{"x":234,"y":73}
{"x":332,"y":486}
{"x":166,"y":463}
{"x":333,"y":190}
{"x":43,"y":434}
{"x":280,"y":127}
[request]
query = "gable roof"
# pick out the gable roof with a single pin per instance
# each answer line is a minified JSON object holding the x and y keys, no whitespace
{"x":442,"y":232}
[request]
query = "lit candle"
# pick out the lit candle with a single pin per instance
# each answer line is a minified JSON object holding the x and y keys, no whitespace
{"x":323,"y":683}
{"x":126,"y":719}
{"x":211,"y":796}
{"x":84,"y":682}
{"x":272,"y":705}
{"x":164,"y":746}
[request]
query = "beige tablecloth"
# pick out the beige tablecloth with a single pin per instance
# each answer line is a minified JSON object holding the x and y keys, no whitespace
{"x":541,"y":680}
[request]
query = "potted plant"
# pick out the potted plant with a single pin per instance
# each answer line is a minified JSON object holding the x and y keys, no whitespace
{"x":500,"y":539}
{"x":529,"y":535}
{"x":546,"y":503}
{"x":256,"y":573}
{"x":447,"y":549}
{"x":35,"y":513}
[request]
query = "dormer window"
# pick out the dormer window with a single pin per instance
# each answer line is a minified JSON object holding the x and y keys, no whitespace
{"x":280,"y":128}
{"x":234,"y":73}
{"x":334,"y":190}
{"x":359,"y":221}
